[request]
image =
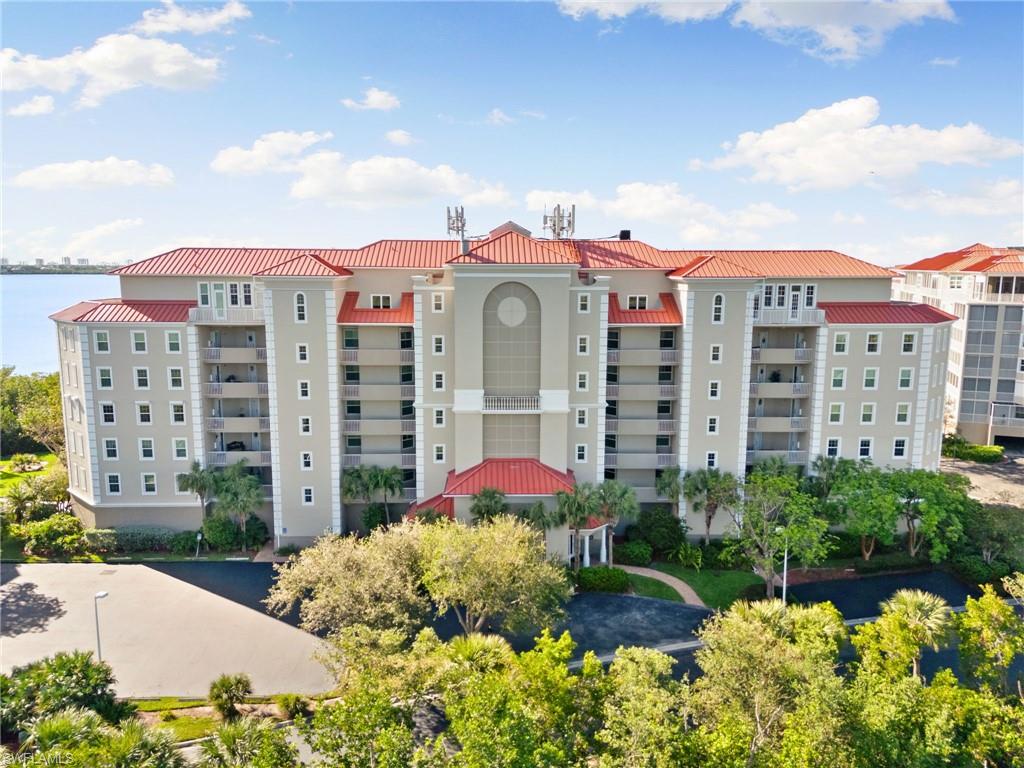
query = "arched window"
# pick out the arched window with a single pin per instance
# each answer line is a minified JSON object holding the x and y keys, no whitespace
{"x":300,"y":307}
{"x":718,"y":309}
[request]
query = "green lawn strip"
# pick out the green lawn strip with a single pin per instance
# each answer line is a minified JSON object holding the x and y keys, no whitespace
{"x":186,"y":728}
{"x":718,"y":589}
{"x":167,"y":703}
{"x":8,"y":478}
{"x":645,"y":586}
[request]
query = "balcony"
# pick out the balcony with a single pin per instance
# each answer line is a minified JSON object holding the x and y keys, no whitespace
{"x":376,"y":356}
{"x":227,"y":458}
{"x":777,"y":423}
{"x":781,"y":355}
{"x":384,"y":426}
{"x":238,"y":424}
{"x":227,"y":316}
{"x":784,"y":316}
{"x":379,"y":459}
{"x":648,"y":356}
{"x":639,"y":459}
{"x":378,"y":391}
{"x":790,"y":457}
{"x":640,"y":425}
{"x":647,"y":494}
{"x":234,"y":354}
{"x":511,"y":404}
{"x":244,"y":389}
{"x":780,"y":389}
{"x":641,"y":391}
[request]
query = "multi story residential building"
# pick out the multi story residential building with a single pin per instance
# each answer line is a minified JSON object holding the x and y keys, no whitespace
{"x":984,"y":288}
{"x":510,"y":362}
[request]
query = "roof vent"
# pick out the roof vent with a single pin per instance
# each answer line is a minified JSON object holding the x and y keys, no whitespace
{"x":625,"y":234}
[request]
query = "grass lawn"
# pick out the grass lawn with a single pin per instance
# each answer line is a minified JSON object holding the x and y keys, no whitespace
{"x":8,"y":479}
{"x":718,"y":589}
{"x":645,"y":586}
{"x":185,"y":728}
{"x":166,"y":703}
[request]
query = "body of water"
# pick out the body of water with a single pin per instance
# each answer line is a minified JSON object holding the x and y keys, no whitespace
{"x":28,"y":339}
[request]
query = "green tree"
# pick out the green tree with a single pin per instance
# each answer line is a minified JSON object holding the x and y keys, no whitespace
{"x":991,"y":634}
{"x":40,"y":413}
{"x":617,"y":501}
{"x":539,"y":515}
{"x":21,"y":501}
{"x":357,"y":484}
{"x":248,"y":743}
{"x":388,"y":481}
{"x":575,"y":508}
{"x":910,"y":620}
{"x":871,"y":508}
{"x":239,"y":495}
{"x":668,"y":483}
{"x":200,"y":481}
{"x":995,"y":530}
{"x":487,"y":504}
{"x":932,"y":505}
{"x":709,"y":490}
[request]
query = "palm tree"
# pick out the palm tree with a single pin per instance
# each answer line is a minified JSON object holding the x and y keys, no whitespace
{"x":245,"y":742}
{"x":20,"y":500}
{"x":666,"y":483}
{"x":708,"y":490}
{"x":487,"y":504}
{"x":200,"y":481}
{"x":539,"y":515}
{"x":388,"y":480}
{"x":239,"y":494}
{"x":355,"y":484}
{"x":575,"y":507}
{"x":926,"y":620}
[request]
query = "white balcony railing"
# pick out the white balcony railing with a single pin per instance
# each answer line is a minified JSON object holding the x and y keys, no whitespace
{"x":227,"y":316}
{"x":226,"y":458}
{"x":782,"y":316}
{"x":755,"y":455}
{"x":511,"y":403}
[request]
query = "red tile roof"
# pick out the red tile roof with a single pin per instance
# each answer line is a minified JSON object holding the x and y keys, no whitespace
{"x":882,"y":313}
{"x":305,"y":265}
{"x":668,"y":314}
{"x":402,"y":254}
{"x":125,"y":311}
{"x":769,"y":264}
{"x":350,"y":314}
{"x":514,"y":248}
{"x":443,"y":505}
{"x":974,"y":258}
{"x":223,"y":262}
{"x":513,"y":477}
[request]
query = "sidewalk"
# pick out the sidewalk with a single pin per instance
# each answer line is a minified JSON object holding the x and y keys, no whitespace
{"x":685,"y":590}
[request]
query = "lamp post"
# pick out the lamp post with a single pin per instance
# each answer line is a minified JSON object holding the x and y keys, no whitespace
{"x":96,"y":606}
{"x":785,"y":563}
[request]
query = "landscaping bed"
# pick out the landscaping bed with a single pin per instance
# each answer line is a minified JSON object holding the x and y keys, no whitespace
{"x":717,"y":588}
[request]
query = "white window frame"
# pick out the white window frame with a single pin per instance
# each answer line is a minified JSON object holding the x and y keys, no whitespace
{"x":899,"y":380}
{"x":867,"y":343}
{"x":170,"y":412}
{"x":138,"y":416}
{"x":167,"y":342}
{"x":864,"y":379}
{"x":711,"y":459}
{"x":378,"y":301}
{"x":142,"y":484}
{"x":99,"y":376}
{"x":585,"y":413}
{"x":201,"y":295}
{"x":437,"y":303}
{"x":120,"y":488}
{"x":871,"y":447}
{"x":170,"y":377}
{"x":713,"y":426}
{"x":135,"y":378}
{"x":152,"y":448}
{"x":718,"y":309}
{"x":174,"y":450}
{"x":583,"y":345}
{"x":583,"y":303}
{"x":298,"y":389}
{"x":903,"y":342}
{"x":145,"y":342}
{"x":906,"y":446}
{"x":300,"y":348}
{"x":437,"y":381}
{"x":434,"y":349}
{"x":832,"y":380}
{"x":842,"y":414}
{"x":715,"y":348}
{"x":307,"y":490}
{"x":582,"y":381}
{"x":874,"y":415}
{"x":96,"y":342}
{"x":845,"y":337}
{"x":303,"y":455}
{"x":439,"y":422}
{"x":580,"y":453}
{"x":909,"y":413}
{"x":309,"y":420}
{"x":634,"y":301}
{"x":443,"y":453}
{"x":300,"y":307}
{"x":714,"y":389}
{"x":839,"y":446}
{"x":113,"y":410}
{"x":117,"y":449}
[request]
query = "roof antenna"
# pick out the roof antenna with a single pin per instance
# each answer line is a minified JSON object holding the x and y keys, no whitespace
{"x":457,"y":225}
{"x":561,"y":224}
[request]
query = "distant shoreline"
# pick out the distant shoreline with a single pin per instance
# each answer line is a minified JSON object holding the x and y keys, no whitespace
{"x":32,"y":269}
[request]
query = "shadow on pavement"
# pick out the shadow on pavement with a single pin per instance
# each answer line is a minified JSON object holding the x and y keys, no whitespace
{"x":24,"y":608}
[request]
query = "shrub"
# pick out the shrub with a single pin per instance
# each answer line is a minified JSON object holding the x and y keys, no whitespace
{"x":725,"y":555}
{"x":255,"y":531}
{"x":602,"y":579}
{"x":20,"y":462}
{"x":373,"y":516}
{"x":661,"y":529}
{"x":100,"y":539}
{"x":227,"y":692}
{"x":183,"y":542}
{"x":426,"y":515}
{"x":292,"y":705}
{"x":50,"y":685}
{"x":632,"y":533}
{"x":974,"y":570}
{"x":958,"y":448}
{"x":888,"y":561}
{"x":845,"y":544}
{"x":52,"y":487}
{"x":143,"y":538}
{"x":222,"y":533}
{"x":634,"y":553}
{"x":287,"y":550}
{"x":59,"y":535}
{"x":688,"y":555}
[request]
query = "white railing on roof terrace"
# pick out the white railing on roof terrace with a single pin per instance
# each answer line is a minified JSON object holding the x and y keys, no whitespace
{"x":782,"y":316}
{"x":212,"y":316}
{"x":512,"y":403}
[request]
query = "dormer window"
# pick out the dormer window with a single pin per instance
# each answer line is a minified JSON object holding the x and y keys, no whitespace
{"x":636,"y":302}
{"x":380,"y":301}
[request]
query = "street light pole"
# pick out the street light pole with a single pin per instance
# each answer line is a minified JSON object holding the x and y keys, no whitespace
{"x":785,"y":572}
{"x":96,"y":606}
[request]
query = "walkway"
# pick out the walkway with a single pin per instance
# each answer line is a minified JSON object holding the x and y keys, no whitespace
{"x":685,"y":590}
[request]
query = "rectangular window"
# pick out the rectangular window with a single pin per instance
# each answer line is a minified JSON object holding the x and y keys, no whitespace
{"x":143,"y":413}
{"x":439,"y":381}
{"x":899,"y":448}
{"x":175,"y":378}
{"x":139,"y":346}
{"x":867,"y":413}
{"x":611,"y":374}
{"x":711,"y":459}
{"x":832,"y":448}
{"x":351,"y":374}
{"x":582,"y":345}
{"x":101,"y":342}
{"x":407,"y":409}
{"x":582,"y":381}
{"x":956,"y":282}
{"x":873,"y":344}
{"x":305,"y":425}
{"x":148,"y":484}
{"x":583,"y":303}
{"x":146,"y":451}
{"x":667,"y":338}
{"x":780,"y":299}
{"x":902,"y":413}
{"x":864,"y":448}
{"x":664,"y":409}
{"x":353,"y":444}
{"x":439,"y":453}
{"x":808,"y":295}
{"x":840,"y":343}
{"x":769,"y":296}
{"x":303,"y":390}
{"x":439,"y":417}
{"x":302,"y":353}
{"x":233,"y":295}
{"x":581,"y":453}
{"x":405,"y":338}
{"x":906,"y":380}
{"x":712,"y":425}
{"x":307,"y":496}
{"x":380,"y":301}
{"x":611,"y":409}
{"x":908,"y":344}
{"x":179,"y":446}
{"x":636,"y":302}
{"x":714,"y":390}
{"x":582,"y":417}
{"x":306,"y":461}
{"x":110,"y":448}
{"x":107,"y":414}
{"x":835,"y":413}
{"x":870,"y":378}
{"x":172,"y":342}
{"x":437,"y":302}
{"x":613,"y":338}
{"x":350,"y":338}
{"x":716,"y":353}
{"x":177,"y":413}
{"x":666,"y":374}
{"x":437,"y":344}
{"x":247,"y":294}
{"x":204,"y":294}
{"x":838,"y":378}
{"x":105,"y":378}
{"x":141,"y":378}
{"x":114,"y":484}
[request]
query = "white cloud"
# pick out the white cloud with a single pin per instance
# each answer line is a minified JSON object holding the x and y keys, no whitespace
{"x":841,"y":146}
{"x":497,"y":117}
{"x":834,"y":31}
{"x":374,"y":98}
{"x":998,"y":199}
{"x":534,"y":113}
{"x":83,"y":244}
{"x":91,"y":174}
{"x":259,"y":37}
{"x":839,"y":217}
{"x":113,"y":64}
{"x":399,"y":137}
{"x":938,"y":61}
{"x":275,"y":151}
{"x":37,"y":105}
{"x":666,"y":204}
{"x":174,"y":18}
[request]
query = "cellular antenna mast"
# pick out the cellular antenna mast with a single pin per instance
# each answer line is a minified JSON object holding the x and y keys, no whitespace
{"x":561,"y":224}
{"x":457,"y":225}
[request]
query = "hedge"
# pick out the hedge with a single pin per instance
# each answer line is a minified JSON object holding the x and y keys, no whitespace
{"x":59,"y":535}
{"x":634,"y":553}
{"x":974,"y":570}
{"x":957,"y":447}
{"x":602,"y":579}
{"x":143,"y":538}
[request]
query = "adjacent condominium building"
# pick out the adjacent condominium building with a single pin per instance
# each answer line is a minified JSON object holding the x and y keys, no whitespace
{"x":984,"y":288}
{"x":510,"y":362}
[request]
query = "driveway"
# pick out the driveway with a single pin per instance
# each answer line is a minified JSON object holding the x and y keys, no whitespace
{"x":162,"y":635}
{"x":992,"y":483}
{"x":859,"y":598}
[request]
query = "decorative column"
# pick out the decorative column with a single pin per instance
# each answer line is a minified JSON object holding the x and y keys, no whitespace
{"x":604,"y":545}
{"x":586,"y":551}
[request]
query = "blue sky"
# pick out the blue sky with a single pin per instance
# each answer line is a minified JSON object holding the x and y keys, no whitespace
{"x":890,"y":131}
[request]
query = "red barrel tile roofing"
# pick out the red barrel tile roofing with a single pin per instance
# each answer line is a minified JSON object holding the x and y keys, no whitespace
{"x":882,"y":313}
{"x":974,"y":258}
{"x":667,"y":314}
{"x":350,"y":314}
{"x":125,"y":311}
{"x":513,"y":477}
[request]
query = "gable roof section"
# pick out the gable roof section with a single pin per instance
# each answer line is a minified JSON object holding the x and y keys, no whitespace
{"x":882,"y":313}
{"x":350,"y":314}
{"x":974,"y":258}
{"x":714,"y":267}
{"x":772,"y":264}
{"x":401,"y":254}
{"x":444,"y":506}
{"x":222,"y":262}
{"x":668,"y":314}
{"x":513,"y":477}
{"x":305,"y":265}
{"x":125,"y":311}
{"x":514,"y":248}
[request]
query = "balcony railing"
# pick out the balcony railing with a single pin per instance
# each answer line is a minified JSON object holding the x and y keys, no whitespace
{"x":378,"y":391}
{"x":227,"y":316}
{"x":234,"y":354}
{"x":777,"y":423}
{"x":639,"y":459}
{"x":381,"y":426}
{"x":236,"y":389}
{"x":377,"y":356}
{"x":511,"y":403}
{"x":782,"y":316}
{"x":754,"y":455}
{"x":643,"y":356}
{"x":641,"y":391}
{"x":781,"y":354}
{"x":780,"y":388}
{"x":238,"y":423}
{"x":227,"y":458}
{"x":640,"y":425}
{"x":379,"y":458}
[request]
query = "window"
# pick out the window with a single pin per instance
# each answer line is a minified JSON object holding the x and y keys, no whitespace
{"x":406,"y":409}
{"x":350,"y":338}
{"x":307,"y":496}
{"x":204,"y":294}
{"x":148,"y":484}
{"x":300,"y":307}
{"x":114,"y":484}
{"x":582,"y":345}
{"x":780,"y":300}
{"x":141,"y":378}
{"x":867,"y":413}
{"x":899,"y":448}
{"x":175,"y":378}
{"x":667,"y":338}
{"x":405,"y":340}
{"x":864,"y":448}
{"x":611,"y":409}
{"x":611,"y":374}
{"x":835,"y":413}
{"x":303,"y":390}
{"x":143,"y":413}
{"x":306,"y":461}
{"x":840,"y":343}
{"x":107,"y":415}
{"x":582,"y":381}
{"x":101,"y":342}
{"x":906,"y":380}
{"x":247,"y":294}
{"x":146,"y":451}
{"x":636,"y":302}
{"x":179,"y":448}
{"x":711,"y":459}
{"x":380,"y":301}
{"x":302,"y":353}
{"x":832,"y":447}
{"x":439,"y":453}
{"x":439,"y":417}
{"x":582,"y":417}
{"x":353,"y":444}
{"x":712,"y":425}
{"x":666,"y":374}
{"x":110,"y":448}
{"x":439,"y":381}
{"x":909,"y":343}
{"x":437,"y":302}
{"x":351,"y":374}
{"x":105,"y":378}
{"x":714,"y":390}
{"x":664,"y":409}
{"x":838,"y":378}
{"x":139,"y":342}
{"x":956,"y":282}
{"x":305,"y":425}
{"x":716,"y":353}
{"x":902,"y":413}
{"x":172,"y":342}
{"x":437,"y":345}
{"x":808,"y":295}
{"x":873,"y":344}
{"x":177,"y":413}
{"x":583,"y":303}
{"x":769,"y":296}
{"x":870,"y":378}
{"x":581,"y":453}
{"x":718,"y":309}
{"x":233,"y":294}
